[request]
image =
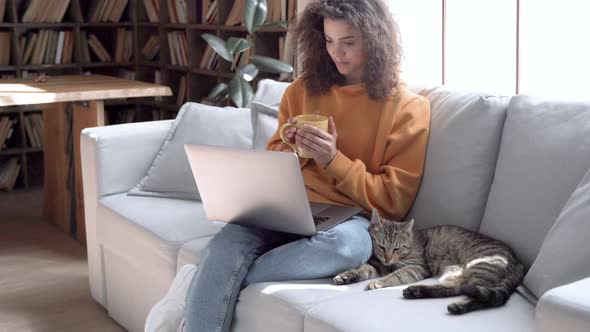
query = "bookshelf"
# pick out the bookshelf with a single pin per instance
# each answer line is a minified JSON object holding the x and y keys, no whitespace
{"x":189,"y":73}
{"x":21,"y":149}
{"x":78,"y":33}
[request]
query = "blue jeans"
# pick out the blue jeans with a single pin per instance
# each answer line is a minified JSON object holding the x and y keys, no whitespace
{"x":238,"y":256}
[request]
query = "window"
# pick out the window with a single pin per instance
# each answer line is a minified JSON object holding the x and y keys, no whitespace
{"x":555,"y":48}
{"x":537,"y":47}
{"x":480,"y":45}
{"x":421,"y":32}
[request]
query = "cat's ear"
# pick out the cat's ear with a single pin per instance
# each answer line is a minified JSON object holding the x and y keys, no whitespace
{"x":375,"y":219}
{"x":407,"y":227}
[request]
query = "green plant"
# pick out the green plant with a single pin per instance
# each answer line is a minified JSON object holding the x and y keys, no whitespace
{"x":239,"y":89}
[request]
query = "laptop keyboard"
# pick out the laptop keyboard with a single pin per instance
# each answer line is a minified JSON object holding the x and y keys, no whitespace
{"x":318,"y":219}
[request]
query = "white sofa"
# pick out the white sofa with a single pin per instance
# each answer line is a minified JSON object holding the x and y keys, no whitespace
{"x":503,"y":166}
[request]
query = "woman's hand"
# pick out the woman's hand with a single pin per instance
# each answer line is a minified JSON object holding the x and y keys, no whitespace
{"x":320,"y":144}
{"x":290,"y":131}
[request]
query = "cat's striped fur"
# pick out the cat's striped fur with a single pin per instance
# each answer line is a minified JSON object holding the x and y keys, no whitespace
{"x":468,"y":263}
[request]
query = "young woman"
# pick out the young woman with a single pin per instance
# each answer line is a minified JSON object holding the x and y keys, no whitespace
{"x":371,"y":157}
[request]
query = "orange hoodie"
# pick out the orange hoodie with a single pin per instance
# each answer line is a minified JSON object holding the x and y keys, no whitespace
{"x":381,"y":147}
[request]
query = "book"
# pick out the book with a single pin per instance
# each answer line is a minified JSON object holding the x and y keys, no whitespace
{"x":41,"y":11}
{"x":212,"y":13}
{"x":123,"y":45}
{"x":172,"y":11}
{"x":181,"y":93}
{"x":84,"y":47}
{"x":182,"y":11}
{"x":98,"y":49}
{"x":68,"y":48}
{"x":9,"y":171}
{"x":151,"y":48}
{"x":118,"y":11}
{"x":152,"y":8}
{"x":235,"y":15}
{"x":5,"y":128}
{"x":178,"y":48}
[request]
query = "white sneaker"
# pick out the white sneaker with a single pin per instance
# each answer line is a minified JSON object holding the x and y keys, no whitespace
{"x":167,"y":314}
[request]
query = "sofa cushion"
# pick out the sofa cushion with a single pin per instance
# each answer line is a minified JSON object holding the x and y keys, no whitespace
{"x":190,"y":252}
{"x":465,"y":130}
{"x":567,"y":238}
{"x":170,"y":174}
{"x":544,"y":154}
{"x":269,"y":92}
{"x":282,"y":306}
{"x":387,"y":310}
{"x":150,"y":231}
{"x":264,"y":123}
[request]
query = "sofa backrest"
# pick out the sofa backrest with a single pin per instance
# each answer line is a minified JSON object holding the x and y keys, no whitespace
{"x":465,"y":131}
{"x":544,"y":153}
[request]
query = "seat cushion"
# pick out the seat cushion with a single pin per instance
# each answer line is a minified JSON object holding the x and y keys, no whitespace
{"x":465,"y":130}
{"x":544,"y":154}
{"x":150,"y":231}
{"x":387,"y":310}
{"x":282,"y":306}
{"x":190,"y":252}
{"x":567,"y":238}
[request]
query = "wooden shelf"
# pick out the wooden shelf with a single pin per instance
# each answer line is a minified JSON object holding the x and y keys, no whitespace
{"x":243,"y":29}
{"x":177,"y":68}
{"x":48,"y":66}
{"x":19,"y":146}
{"x":107,"y":64}
{"x":45,"y":25}
{"x":106,"y":25}
{"x":212,"y":73}
{"x":19,"y":190}
{"x":19,"y":151}
{"x":199,"y":82}
{"x":148,"y":25}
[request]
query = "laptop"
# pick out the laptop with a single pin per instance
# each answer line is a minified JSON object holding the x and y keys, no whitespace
{"x":259,"y":188}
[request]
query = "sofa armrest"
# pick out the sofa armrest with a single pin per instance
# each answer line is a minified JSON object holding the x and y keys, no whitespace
{"x":114,"y":159}
{"x":565,"y":308}
{"x":119,"y":156}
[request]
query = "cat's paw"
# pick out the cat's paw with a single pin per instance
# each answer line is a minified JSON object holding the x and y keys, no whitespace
{"x":457,"y":308}
{"x":376,"y":285}
{"x":345,"y":278}
{"x":413,"y":292}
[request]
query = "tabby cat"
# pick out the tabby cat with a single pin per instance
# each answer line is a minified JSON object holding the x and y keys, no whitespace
{"x":471,"y":264}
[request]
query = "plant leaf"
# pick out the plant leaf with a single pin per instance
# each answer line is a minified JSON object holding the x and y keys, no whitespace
{"x":270,"y":65}
{"x":219,"y":93}
{"x":240,"y":91}
{"x":254,"y":13}
{"x":218,"y":46}
{"x":237,"y":45}
{"x":282,"y":24}
{"x":247,"y":72}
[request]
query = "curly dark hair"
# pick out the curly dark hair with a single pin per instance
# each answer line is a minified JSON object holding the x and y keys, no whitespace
{"x":380,"y":36}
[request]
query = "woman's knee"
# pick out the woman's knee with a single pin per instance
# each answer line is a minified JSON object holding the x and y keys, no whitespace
{"x":233,"y":236}
{"x":350,"y":241}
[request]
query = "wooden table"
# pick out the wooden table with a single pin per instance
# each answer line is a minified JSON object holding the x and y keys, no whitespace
{"x":71,"y":103}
